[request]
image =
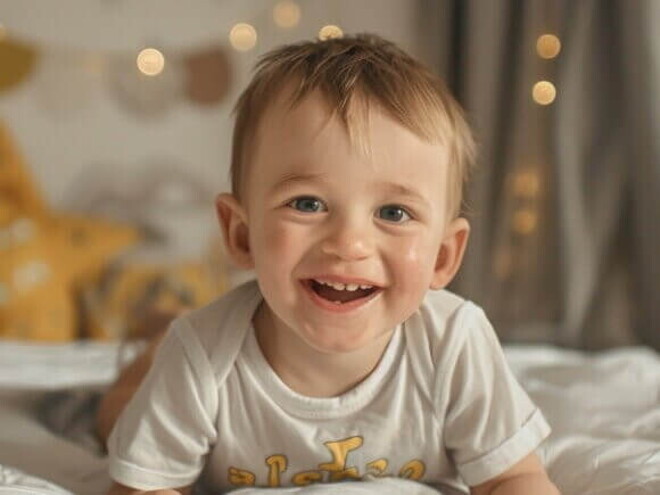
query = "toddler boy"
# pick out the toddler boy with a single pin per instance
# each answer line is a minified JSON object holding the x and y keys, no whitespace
{"x":338,"y":362}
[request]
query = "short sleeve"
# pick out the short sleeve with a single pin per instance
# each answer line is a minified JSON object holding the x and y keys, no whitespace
{"x":161,"y":438}
{"x":490,"y":422}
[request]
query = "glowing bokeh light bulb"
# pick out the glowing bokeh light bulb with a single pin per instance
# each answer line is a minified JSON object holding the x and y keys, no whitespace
{"x":527,"y":184}
{"x":544,"y":92}
{"x":243,"y":37}
{"x":330,"y":31}
{"x":548,"y":46}
{"x":150,"y":62}
{"x":286,"y":14}
{"x":525,"y":221}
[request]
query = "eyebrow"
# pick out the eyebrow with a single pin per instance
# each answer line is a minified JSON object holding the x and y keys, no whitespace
{"x":293,"y":178}
{"x":405,"y":191}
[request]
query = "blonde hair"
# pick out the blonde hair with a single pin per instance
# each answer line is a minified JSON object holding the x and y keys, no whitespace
{"x":350,"y":73}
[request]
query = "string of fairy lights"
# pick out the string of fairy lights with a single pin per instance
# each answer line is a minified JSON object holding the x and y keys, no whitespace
{"x":526,"y":185}
{"x":243,"y":36}
{"x":286,"y":14}
{"x":548,"y":47}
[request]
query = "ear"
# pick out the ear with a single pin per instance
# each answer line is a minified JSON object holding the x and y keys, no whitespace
{"x":450,"y":254}
{"x":234,"y":224}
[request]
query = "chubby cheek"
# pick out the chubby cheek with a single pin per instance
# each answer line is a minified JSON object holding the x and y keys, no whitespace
{"x":272,"y":239}
{"x":277,"y":252}
{"x":411,"y":267}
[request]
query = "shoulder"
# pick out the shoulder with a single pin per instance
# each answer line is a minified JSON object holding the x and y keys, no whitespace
{"x":447,"y":318}
{"x":218,"y":329}
{"x":442,"y":328}
{"x":233,"y":307}
{"x":442,"y":304}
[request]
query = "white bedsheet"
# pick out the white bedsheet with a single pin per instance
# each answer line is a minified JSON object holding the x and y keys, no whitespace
{"x":604,"y":409}
{"x":605,"y":414}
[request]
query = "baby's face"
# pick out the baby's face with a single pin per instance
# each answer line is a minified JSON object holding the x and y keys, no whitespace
{"x":344,"y":245}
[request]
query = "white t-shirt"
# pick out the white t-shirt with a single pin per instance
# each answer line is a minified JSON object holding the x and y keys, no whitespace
{"x":441,"y":406}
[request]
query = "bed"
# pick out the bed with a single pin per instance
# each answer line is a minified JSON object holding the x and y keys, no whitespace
{"x":604,"y":409}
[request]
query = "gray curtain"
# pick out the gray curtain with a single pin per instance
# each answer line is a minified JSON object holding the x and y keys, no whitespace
{"x":564,"y":201}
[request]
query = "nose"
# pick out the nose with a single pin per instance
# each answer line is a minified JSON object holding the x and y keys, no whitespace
{"x":348,"y":239}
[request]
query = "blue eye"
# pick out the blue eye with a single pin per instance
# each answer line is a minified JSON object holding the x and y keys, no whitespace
{"x":393,"y":213}
{"x":307,"y":204}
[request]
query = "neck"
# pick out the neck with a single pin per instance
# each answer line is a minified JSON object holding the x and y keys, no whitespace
{"x":307,"y":370}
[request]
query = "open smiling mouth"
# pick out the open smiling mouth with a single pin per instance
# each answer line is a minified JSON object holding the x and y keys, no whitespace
{"x":339,"y":293}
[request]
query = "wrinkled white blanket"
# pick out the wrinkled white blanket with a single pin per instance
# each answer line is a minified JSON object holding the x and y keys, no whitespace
{"x":16,"y":482}
{"x":605,"y":413}
{"x":604,"y":409}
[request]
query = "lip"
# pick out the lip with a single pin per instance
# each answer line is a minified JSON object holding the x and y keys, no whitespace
{"x":346,"y":307}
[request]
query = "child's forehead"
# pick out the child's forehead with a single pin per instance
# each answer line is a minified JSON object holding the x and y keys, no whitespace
{"x":307,"y":136}
{"x":308,"y":117}
{"x":312,"y":108}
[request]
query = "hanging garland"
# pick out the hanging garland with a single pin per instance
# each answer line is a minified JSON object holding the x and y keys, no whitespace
{"x":209,"y":76}
{"x":65,"y":78}
{"x":200,"y":75}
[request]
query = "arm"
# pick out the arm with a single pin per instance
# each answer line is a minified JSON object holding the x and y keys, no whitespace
{"x":525,"y":477}
{"x":152,"y":326}
{"x":118,"y":489}
{"x":114,"y":400}
{"x":160,"y":441}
